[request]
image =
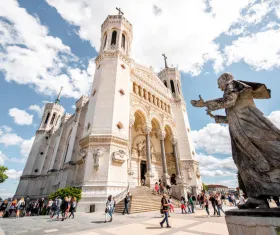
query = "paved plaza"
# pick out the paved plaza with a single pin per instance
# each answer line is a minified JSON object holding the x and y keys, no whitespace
{"x":134,"y":224}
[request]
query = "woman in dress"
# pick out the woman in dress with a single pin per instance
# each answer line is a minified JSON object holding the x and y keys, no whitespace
{"x":108,"y":209}
{"x":255,"y":140}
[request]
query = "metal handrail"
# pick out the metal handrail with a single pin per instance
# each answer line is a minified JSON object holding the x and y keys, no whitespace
{"x":122,"y":195}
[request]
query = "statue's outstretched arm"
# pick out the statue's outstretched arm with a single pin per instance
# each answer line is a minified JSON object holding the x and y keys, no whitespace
{"x":227,"y":101}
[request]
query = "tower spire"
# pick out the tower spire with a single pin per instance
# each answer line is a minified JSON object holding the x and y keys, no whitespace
{"x":165,"y":58}
{"x":58,"y":97}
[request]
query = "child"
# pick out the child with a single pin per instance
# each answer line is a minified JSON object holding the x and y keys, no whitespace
{"x":171,"y":207}
{"x":183,"y":206}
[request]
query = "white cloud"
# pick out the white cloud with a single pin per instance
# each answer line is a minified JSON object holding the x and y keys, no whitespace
{"x":21,"y":117}
{"x":216,"y":173}
{"x":26,"y":146}
{"x":275,"y":118}
{"x":39,"y":110}
{"x":214,"y":138}
{"x":254,"y":50}
{"x":13,"y":174}
{"x":10,"y":139}
{"x":188,"y":28}
{"x":2,"y":158}
{"x":27,"y":46}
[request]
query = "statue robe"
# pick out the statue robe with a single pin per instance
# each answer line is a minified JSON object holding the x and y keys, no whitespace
{"x":255,"y":140}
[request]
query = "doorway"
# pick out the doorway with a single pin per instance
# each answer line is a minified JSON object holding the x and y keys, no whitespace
{"x":143,"y":168}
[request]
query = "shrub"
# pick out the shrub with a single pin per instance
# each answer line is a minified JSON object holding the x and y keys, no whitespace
{"x":67,"y":192}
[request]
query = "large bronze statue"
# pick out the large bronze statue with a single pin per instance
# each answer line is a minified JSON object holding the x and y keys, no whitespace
{"x":255,"y":140}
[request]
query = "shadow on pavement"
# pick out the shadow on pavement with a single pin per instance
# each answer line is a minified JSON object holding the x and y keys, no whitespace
{"x":153,"y":228}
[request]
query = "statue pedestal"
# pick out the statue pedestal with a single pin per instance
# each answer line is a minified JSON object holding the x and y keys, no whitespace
{"x":253,"y":221}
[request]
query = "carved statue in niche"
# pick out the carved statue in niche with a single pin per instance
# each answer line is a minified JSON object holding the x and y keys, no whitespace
{"x":255,"y":140}
{"x":96,"y":154}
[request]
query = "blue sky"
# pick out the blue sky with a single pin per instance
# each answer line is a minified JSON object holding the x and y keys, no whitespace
{"x":48,"y":44}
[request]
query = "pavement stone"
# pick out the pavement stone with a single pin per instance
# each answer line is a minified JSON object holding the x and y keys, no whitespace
{"x":93,"y":224}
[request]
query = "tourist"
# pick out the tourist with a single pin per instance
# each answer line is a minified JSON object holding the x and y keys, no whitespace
{"x":3,"y":208}
{"x":20,"y":207}
{"x":41,"y":205}
{"x":219,"y":204}
{"x":164,"y":205}
{"x":233,"y":199}
{"x":27,"y":206}
{"x":49,"y":206}
{"x":230,"y":200}
{"x":35,"y":208}
{"x":73,"y":204}
{"x":65,"y":207}
{"x":156,"y":187}
{"x":114,"y":205}
{"x":201,"y":200}
{"x":213,"y":203}
{"x":12,"y":209}
{"x":223,"y":198}
{"x":126,"y":204}
{"x":241,"y":200}
{"x":198,"y":200}
{"x":191,"y":204}
{"x":183,"y":205}
{"x":58,"y":202}
{"x":171,"y":206}
{"x":108,"y":209}
{"x":206,"y":204}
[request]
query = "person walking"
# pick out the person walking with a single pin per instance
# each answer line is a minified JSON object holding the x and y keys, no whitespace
{"x":126,"y":204}
{"x":219,"y":204}
{"x":212,"y":200}
{"x":3,"y":208}
{"x":114,"y":205}
{"x":58,"y":202}
{"x":41,"y":205}
{"x":191,"y":204}
{"x":36,"y":208}
{"x":206,"y":204}
{"x":183,"y":205}
{"x":164,"y":206}
{"x":49,"y":206}
{"x":73,"y":204}
{"x":20,"y":207}
{"x":65,"y":207}
{"x":108,"y":209}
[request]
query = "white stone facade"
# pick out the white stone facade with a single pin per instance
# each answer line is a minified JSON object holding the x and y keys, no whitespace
{"x":102,"y":148}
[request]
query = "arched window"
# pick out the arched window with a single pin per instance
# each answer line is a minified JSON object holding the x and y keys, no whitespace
{"x":178,"y":88}
{"x":172,"y":86}
{"x":114,"y":38}
{"x":123,"y":41}
{"x":53,"y":117}
{"x":67,"y":146}
{"x":105,"y":41}
{"x":47,"y":118}
{"x":165,"y":83}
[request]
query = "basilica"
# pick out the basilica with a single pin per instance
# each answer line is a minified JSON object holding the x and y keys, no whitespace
{"x":131,"y":130}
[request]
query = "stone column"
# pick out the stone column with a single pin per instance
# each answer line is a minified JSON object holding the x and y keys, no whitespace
{"x":177,"y":163}
{"x":130,"y":172}
{"x":165,"y":176}
{"x":149,"y":174}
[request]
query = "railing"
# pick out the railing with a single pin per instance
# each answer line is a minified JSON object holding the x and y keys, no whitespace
{"x":121,"y":195}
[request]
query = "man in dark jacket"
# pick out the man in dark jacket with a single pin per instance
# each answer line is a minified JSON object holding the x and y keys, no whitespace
{"x":213,"y":202}
{"x":126,"y":204}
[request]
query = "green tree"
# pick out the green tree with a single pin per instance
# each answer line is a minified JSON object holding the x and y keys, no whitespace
{"x":205,"y":187}
{"x":3,"y":176}
{"x":67,"y":192}
{"x":241,"y":183}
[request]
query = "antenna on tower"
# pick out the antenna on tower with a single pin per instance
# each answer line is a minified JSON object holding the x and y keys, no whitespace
{"x":165,"y":60}
{"x":58,"y":97}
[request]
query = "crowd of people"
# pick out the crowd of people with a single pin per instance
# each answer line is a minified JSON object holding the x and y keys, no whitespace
{"x":27,"y":207}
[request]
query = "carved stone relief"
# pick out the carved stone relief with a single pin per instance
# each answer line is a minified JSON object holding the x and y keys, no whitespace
{"x":119,"y":156}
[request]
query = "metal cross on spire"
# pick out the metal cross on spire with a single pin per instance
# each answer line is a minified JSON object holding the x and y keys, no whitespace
{"x":58,"y":97}
{"x":119,"y":10}
{"x":165,"y":58}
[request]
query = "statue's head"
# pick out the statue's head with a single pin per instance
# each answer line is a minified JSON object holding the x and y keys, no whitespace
{"x":224,"y":79}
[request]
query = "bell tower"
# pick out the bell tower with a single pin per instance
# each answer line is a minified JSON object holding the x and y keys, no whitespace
{"x":104,"y":145}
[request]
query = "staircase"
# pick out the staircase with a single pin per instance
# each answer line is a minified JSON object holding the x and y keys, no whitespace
{"x":142,"y":200}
